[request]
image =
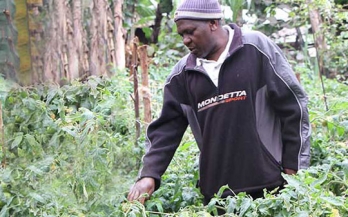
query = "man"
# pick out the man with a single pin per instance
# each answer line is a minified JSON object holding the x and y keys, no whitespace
{"x":242,"y":101}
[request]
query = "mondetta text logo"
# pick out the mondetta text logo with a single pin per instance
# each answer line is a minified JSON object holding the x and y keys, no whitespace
{"x":223,"y":98}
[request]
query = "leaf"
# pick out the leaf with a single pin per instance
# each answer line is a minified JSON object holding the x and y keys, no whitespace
{"x":185,"y":146}
{"x":87,"y":114}
{"x":345,"y":167}
{"x":159,"y":207}
{"x":245,"y":205}
{"x":302,"y":214}
{"x":222,"y":190}
{"x":31,"y":140}
{"x":336,"y":201}
{"x":231,"y":204}
{"x":37,"y":197}
{"x":340,"y":130}
{"x":35,"y":170}
{"x":17,"y":140}
{"x":323,"y":177}
{"x":45,"y":164}
{"x":54,"y":141}
{"x":292,"y":181}
{"x":4,"y":211}
{"x":51,"y":94}
{"x":70,"y":130}
{"x":85,"y":193}
{"x":211,"y":206}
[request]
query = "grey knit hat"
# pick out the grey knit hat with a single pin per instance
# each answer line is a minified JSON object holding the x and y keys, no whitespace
{"x":198,"y":10}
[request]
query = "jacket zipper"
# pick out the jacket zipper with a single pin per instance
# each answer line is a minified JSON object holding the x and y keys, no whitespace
{"x":222,"y":67}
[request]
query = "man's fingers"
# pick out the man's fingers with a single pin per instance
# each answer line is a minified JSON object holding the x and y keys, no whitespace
{"x":143,"y":186}
{"x":142,"y":199}
{"x":133,"y":195}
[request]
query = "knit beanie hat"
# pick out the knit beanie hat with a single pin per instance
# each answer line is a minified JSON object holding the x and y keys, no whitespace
{"x":198,"y":10}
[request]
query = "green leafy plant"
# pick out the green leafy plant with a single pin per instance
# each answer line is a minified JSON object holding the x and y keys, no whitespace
{"x":65,"y":144}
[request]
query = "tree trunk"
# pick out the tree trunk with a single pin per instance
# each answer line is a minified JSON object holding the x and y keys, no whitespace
{"x":55,"y":52}
{"x":36,"y":41}
{"x":157,"y":25}
{"x":98,"y":38}
{"x":24,"y":74}
{"x":72,"y":24}
{"x":120,"y":50}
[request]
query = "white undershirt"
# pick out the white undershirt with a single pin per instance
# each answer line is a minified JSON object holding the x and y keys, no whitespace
{"x":212,"y":67}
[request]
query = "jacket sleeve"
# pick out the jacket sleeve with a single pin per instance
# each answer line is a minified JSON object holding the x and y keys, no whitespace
{"x":164,"y":134}
{"x":289,"y":102}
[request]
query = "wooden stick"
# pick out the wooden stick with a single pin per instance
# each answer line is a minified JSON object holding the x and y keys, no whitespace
{"x":133,"y":71}
{"x":3,"y":162}
{"x":145,"y":83}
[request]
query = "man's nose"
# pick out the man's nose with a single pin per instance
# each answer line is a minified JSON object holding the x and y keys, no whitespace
{"x":186,"y":40}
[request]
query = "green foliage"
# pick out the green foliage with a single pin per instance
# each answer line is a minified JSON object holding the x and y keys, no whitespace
{"x":236,"y":6}
{"x":166,"y":6}
{"x":330,"y":128}
{"x":143,"y":9}
{"x":5,"y":86}
{"x":333,"y":27}
{"x":309,"y":193}
{"x":178,"y":187}
{"x":170,"y":47}
{"x":71,"y":149}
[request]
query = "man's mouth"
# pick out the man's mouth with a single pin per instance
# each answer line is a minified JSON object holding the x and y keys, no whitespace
{"x":192,"y":49}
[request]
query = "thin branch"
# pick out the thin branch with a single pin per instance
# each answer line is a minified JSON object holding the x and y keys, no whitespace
{"x":3,"y":163}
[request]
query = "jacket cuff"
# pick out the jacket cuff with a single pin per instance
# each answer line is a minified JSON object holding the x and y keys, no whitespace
{"x":290,"y":165}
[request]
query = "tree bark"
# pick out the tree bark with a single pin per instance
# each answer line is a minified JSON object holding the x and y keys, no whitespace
{"x":36,"y":41}
{"x":98,"y":38}
{"x":74,"y":34}
{"x":157,"y":25}
{"x":55,"y":60}
{"x":120,"y":50}
{"x":24,"y":75}
{"x":145,"y":84}
{"x":64,"y":48}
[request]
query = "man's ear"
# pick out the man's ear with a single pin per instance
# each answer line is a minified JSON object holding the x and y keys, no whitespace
{"x":213,"y":24}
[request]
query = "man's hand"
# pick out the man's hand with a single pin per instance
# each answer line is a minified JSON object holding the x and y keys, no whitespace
{"x":290,"y":171}
{"x":143,"y":186}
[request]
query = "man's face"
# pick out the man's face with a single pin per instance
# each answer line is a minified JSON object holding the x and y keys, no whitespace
{"x":196,"y":36}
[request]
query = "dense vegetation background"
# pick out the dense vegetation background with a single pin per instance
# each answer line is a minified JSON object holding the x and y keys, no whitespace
{"x":72,"y":149}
